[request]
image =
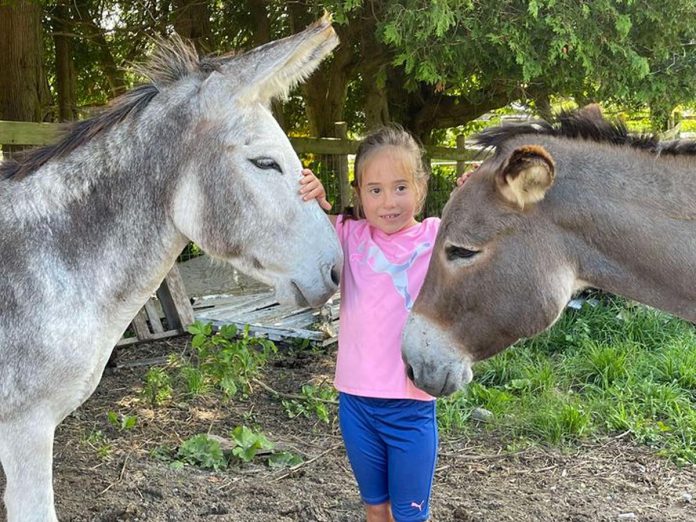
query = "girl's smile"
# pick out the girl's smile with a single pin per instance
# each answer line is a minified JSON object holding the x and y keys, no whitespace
{"x":387,"y":193}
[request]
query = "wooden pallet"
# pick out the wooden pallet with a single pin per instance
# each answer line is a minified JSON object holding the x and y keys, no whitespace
{"x":170,"y":303}
{"x":170,"y":312}
{"x":266,"y":317}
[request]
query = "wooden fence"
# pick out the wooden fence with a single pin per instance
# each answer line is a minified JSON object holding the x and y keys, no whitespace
{"x":329,"y":156}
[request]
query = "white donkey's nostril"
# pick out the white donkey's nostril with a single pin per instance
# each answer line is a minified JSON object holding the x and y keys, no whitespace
{"x":335,"y":275}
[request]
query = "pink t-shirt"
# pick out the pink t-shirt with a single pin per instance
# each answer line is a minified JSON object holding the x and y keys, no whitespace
{"x":382,"y":275}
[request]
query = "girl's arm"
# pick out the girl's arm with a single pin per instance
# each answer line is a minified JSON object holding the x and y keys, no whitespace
{"x":313,"y":189}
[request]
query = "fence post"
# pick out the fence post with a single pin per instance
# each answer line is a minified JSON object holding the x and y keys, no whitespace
{"x":461,"y":147}
{"x":341,"y":131}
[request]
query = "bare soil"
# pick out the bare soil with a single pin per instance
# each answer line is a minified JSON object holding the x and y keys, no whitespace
{"x":476,"y":478}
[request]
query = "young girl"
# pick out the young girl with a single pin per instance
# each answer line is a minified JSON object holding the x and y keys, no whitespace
{"x":388,"y":425}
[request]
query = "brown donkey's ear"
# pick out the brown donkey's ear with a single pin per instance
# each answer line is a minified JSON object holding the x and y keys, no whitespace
{"x":526,"y":176}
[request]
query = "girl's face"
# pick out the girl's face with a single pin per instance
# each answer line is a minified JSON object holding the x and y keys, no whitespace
{"x":388,"y":194}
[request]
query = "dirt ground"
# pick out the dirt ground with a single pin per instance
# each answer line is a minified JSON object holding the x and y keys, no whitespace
{"x":476,"y":479}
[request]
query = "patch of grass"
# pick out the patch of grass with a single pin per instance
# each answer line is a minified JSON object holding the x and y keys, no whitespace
{"x":611,"y":368}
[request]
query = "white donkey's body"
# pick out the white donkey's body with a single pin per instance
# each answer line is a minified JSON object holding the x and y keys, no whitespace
{"x":89,"y":228}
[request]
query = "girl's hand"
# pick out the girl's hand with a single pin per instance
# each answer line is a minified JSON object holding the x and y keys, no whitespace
{"x":462,"y":179}
{"x":313,"y":189}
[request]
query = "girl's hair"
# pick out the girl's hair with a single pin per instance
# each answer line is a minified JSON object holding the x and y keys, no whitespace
{"x":393,"y":136}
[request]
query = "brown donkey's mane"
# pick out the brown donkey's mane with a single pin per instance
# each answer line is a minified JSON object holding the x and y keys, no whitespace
{"x":174,"y":60}
{"x":588,"y":125}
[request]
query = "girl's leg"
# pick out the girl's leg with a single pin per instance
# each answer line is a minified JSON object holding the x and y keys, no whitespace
{"x":366,"y":452}
{"x":379,"y":512}
{"x":410,"y":432}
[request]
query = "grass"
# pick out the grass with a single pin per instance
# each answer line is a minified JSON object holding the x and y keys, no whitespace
{"x":600,"y":371}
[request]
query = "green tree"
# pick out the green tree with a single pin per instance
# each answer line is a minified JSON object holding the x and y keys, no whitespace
{"x":453,"y":59}
{"x":430,"y":65}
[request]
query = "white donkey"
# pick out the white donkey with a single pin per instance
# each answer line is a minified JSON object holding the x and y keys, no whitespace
{"x":90,"y":226}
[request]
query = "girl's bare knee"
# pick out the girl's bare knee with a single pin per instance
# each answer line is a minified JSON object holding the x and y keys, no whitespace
{"x":378,"y":512}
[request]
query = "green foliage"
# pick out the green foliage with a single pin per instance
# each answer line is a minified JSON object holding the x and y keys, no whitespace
{"x":316,"y":401}
{"x":207,"y":452}
{"x":99,"y":443}
{"x":613,"y":367}
{"x":483,"y":54}
{"x":248,"y":443}
{"x":203,"y":452}
{"x":283,"y":459}
{"x":225,"y":360}
{"x":157,"y":389}
{"x":121,"y":421}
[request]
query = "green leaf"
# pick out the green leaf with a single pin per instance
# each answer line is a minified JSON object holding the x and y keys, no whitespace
{"x":284,"y":459}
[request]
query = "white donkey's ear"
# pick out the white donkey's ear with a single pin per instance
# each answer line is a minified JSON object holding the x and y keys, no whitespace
{"x":526,"y":176}
{"x":271,"y":70}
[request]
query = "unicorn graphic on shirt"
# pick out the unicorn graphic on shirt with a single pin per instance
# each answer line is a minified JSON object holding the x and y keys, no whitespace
{"x":398,"y":272}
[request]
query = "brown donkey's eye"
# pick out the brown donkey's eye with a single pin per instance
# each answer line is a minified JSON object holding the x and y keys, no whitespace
{"x":455,"y":252}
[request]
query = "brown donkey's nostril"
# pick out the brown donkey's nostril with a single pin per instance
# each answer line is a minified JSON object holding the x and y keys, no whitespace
{"x":409,"y":371}
{"x":335,"y":275}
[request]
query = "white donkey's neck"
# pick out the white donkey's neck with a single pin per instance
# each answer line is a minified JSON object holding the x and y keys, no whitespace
{"x":103,"y":233}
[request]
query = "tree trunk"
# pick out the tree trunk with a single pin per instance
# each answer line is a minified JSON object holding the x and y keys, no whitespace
{"x":95,"y":34}
{"x":262,"y":34}
{"x":376,"y":102}
{"x":325,"y":97}
{"x":65,"y":66}
{"x":326,"y":91}
{"x":192,"y":21}
{"x":23,"y":89}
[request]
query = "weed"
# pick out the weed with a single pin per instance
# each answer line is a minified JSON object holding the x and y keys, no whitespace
{"x":122,"y":422}
{"x":316,"y":401}
{"x":248,"y":443}
{"x":99,"y":442}
{"x":203,"y":452}
{"x":158,"y":388}
{"x":226,"y":360}
{"x":284,"y":459}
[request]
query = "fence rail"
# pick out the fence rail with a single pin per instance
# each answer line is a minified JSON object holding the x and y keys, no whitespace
{"x":30,"y":133}
{"x":328,"y":157}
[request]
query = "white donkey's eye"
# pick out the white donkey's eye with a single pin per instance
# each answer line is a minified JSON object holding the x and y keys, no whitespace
{"x":266,"y":164}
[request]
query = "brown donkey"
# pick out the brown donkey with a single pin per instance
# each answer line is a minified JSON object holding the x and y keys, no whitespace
{"x":556,"y":209}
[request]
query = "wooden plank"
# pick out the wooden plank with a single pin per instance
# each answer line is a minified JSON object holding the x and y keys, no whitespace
{"x":139,"y":324}
{"x":276,"y":334}
{"x":175,"y":302}
{"x":31,"y":133}
{"x":154,"y":317}
{"x":28,"y":133}
{"x":303,"y":320}
{"x":258,"y":303}
{"x":264,"y":315}
{"x":126,"y":341}
{"x":237,"y":301}
{"x":209,"y":301}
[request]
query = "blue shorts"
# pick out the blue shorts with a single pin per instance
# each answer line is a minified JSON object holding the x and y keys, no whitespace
{"x":392,"y":448}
